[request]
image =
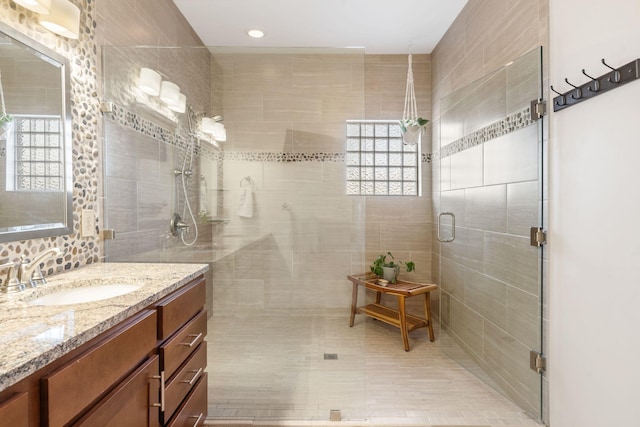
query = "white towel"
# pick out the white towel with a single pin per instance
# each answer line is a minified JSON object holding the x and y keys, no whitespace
{"x":245,"y":206}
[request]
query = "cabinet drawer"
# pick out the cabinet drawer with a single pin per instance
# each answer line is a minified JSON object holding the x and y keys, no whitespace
{"x":176,"y":309}
{"x":182,"y":382}
{"x":70,"y":389}
{"x":131,"y":403}
{"x":14,"y":412}
{"x":176,"y":350}
{"x":193,"y":411}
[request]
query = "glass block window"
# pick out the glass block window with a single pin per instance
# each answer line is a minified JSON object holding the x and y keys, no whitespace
{"x":377,"y":161}
{"x":36,"y":154}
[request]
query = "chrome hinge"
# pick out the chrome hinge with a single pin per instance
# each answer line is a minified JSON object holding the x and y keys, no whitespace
{"x":538,"y":236}
{"x":538,"y":109}
{"x":537,"y":362}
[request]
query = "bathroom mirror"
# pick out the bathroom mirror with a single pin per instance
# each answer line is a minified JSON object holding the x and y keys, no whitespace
{"x":35,"y":140}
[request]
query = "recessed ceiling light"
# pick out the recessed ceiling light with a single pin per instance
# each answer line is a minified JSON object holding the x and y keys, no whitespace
{"x":256,"y":34}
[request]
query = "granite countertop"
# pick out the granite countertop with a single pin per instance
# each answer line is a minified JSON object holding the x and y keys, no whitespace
{"x":32,"y":336}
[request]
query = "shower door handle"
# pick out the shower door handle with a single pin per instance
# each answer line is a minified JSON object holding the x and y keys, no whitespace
{"x":453,"y":227}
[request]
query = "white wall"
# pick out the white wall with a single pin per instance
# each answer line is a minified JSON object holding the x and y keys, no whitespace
{"x":595,"y":221}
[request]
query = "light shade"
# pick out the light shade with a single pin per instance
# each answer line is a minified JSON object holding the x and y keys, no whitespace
{"x":39,"y":6}
{"x":219,"y":132}
{"x":63,"y":19}
{"x":149,"y":81}
{"x":181,"y":106}
{"x":169,"y":93}
{"x":208,"y":125}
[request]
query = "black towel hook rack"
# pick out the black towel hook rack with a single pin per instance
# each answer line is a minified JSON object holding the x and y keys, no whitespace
{"x":596,"y":85}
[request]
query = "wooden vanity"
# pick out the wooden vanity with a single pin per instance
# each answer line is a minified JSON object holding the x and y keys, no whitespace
{"x":147,"y":370}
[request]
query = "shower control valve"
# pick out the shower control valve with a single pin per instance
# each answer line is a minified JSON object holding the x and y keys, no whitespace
{"x":178,"y":226}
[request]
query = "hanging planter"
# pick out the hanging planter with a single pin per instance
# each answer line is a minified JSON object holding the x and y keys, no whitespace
{"x":411,"y":126}
{"x":6,"y":121}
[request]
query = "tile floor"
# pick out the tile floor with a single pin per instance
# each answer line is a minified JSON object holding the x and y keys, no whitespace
{"x":269,"y":369}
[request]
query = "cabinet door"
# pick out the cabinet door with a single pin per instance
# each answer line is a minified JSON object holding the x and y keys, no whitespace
{"x":68,"y":391}
{"x":15,"y":411}
{"x":193,"y":411}
{"x":177,"y":349}
{"x":131,"y":404}
{"x":180,"y":385}
{"x":177,"y":308}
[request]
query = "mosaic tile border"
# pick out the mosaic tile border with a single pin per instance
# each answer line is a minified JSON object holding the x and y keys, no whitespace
{"x":124,"y":117}
{"x":513,"y":122}
{"x":153,"y":130}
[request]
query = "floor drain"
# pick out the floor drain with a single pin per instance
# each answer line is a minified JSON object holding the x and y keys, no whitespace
{"x":334,"y":415}
{"x":330,"y":356}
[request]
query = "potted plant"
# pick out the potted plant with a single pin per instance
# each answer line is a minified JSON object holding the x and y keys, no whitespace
{"x":389,"y":270}
{"x":412,"y":129}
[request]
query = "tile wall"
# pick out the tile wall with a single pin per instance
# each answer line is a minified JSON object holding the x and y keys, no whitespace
{"x":489,"y":274}
{"x":285,"y":117}
{"x":144,"y":142}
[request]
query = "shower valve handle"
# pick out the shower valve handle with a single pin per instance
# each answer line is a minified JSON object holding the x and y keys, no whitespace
{"x":178,"y":226}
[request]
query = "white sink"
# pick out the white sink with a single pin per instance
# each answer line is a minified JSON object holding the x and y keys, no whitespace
{"x":86,"y":294}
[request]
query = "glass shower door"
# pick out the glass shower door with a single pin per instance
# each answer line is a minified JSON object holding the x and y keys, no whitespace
{"x":491,"y":181}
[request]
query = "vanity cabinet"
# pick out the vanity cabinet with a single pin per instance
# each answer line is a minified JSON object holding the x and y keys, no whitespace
{"x":133,"y":403}
{"x":148,"y":370}
{"x":67,"y":391}
{"x":182,"y":325}
{"x":15,"y":410}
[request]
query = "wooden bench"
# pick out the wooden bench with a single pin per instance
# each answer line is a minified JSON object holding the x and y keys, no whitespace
{"x":398,"y":318}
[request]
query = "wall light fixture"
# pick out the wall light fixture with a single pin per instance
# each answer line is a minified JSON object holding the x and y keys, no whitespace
{"x":214,"y":127}
{"x":207,"y":125}
{"x":149,"y":81}
{"x":38,"y":6}
{"x":63,"y":19}
{"x":181,"y":106}
{"x":169,"y":93}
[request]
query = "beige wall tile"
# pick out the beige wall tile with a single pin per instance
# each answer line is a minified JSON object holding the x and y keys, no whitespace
{"x":512,"y":260}
{"x":485,"y":208}
{"x":486,"y":296}
{"x":468,"y":325}
{"x":467,"y":168}
{"x":509,"y":360}
{"x":454,"y":202}
{"x":452,"y":277}
{"x":523,"y":317}
{"x":522,"y":207}
{"x":294,"y":107}
{"x":512,"y":158}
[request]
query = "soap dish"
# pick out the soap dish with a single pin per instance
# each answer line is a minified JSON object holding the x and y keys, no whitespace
{"x":383,"y":282}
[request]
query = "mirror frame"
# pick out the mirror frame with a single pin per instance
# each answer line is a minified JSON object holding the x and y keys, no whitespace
{"x":33,"y":231}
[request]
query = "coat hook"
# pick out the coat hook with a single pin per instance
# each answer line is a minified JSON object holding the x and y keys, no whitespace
{"x":616,"y":74}
{"x":562,"y":100}
{"x":596,"y":82}
{"x":578,"y":94}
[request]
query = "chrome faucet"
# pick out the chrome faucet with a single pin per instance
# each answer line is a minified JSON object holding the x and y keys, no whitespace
{"x":11,"y":283}
{"x":29,"y":271}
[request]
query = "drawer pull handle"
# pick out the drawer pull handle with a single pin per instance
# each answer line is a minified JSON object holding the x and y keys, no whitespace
{"x":195,"y":377}
{"x":199,"y":417}
{"x":195,"y":340}
{"x":161,"y":378}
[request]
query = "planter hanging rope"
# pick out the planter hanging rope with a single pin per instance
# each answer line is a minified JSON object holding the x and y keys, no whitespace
{"x":411,"y":125}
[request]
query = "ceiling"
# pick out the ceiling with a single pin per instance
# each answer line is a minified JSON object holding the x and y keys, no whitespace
{"x":380,"y":26}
